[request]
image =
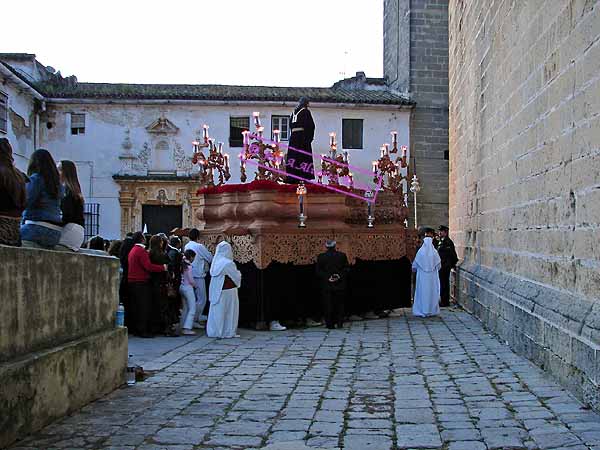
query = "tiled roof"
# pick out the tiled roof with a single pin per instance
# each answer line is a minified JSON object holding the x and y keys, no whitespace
{"x":21,"y":76}
{"x":218,"y":92}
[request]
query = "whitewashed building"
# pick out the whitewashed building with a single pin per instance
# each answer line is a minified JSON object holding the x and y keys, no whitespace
{"x":132,"y":142}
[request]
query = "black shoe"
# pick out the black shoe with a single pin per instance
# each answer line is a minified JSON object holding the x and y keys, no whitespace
{"x":146,"y":335}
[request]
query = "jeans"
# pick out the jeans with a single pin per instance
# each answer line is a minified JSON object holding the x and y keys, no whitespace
{"x":40,"y":235}
{"x":200,"y":293}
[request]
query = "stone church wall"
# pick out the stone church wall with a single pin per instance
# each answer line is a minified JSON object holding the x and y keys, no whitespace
{"x":525,"y":177}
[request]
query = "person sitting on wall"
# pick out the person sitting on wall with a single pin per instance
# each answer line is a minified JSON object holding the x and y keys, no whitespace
{"x":42,"y":222}
{"x":71,"y":205}
{"x":12,"y":196}
{"x":138,"y":276}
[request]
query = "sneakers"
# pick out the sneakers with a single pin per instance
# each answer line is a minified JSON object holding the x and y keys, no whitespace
{"x":187,"y":332}
{"x":276,"y":326}
{"x":312,"y":323}
{"x":199,"y":325}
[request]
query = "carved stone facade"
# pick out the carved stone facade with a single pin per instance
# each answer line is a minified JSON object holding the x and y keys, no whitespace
{"x":135,"y":192}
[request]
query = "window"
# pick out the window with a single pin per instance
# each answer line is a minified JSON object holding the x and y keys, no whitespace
{"x":280,"y":123}
{"x":236,"y":126}
{"x":3,"y":112}
{"x":77,"y":123}
{"x":352,"y":133}
{"x":91,"y":216}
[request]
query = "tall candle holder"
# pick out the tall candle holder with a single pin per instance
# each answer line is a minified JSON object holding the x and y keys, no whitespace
{"x":301,"y":192}
{"x":216,"y":161}
{"x":370,"y":218}
{"x":335,"y":166}
{"x":267,"y":156}
{"x":390,"y":170}
{"x":415,"y":188}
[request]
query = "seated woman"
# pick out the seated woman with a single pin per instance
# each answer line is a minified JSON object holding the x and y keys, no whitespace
{"x":42,"y":223}
{"x":73,"y":233}
{"x":12,"y":196}
{"x":225,"y":280}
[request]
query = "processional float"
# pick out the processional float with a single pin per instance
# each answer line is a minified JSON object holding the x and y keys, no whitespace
{"x":278,"y":229}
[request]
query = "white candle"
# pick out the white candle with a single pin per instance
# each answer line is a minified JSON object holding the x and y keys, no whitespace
{"x":256,"y":116}
{"x":394,"y":137}
{"x":195,"y":144}
{"x":276,"y":136}
{"x":386,"y":148}
{"x":332,"y":139}
{"x":374,"y":166}
{"x":220,"y":148}
{"x":260,"y":130}
{"x":404,"y":149}
{"x":205,"y":132}
{"x":226,"y":160}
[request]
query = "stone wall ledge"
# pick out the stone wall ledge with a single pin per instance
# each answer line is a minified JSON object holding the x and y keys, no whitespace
{"x":546,"y":325}
{"x":46,"y":385}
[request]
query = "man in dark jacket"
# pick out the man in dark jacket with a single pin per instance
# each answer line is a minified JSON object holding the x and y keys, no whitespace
{"x":332,"y":271}
{"x":445,"y":248}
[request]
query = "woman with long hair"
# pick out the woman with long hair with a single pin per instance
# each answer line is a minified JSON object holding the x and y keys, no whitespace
{"x":159,"y":285}
{"x":73,"y":233}
{"x":12,"y":196}
{"x":42,"y":222}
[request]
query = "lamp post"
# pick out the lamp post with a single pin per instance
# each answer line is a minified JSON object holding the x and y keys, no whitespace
{"x":301,"y":192}
{"x":415,"y":187}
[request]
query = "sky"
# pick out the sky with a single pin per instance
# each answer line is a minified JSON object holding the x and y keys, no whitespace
{"x":247,"y":42}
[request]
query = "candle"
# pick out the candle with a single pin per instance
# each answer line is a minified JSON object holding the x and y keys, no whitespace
{"x":276,"y":136}
{"x":332,"y":139}
{"x":404,"y":149}
{"x":226,"y":160}
{"x":260,"y":130}
{"x":246,"y":135}
{"x":205,"y":132}
{"x":195,"y":144}
{"x":220,"y":148}
{"x":386,"y":147}
{"x":211,"y":143}
{"x":256,"y":116}
{"x":394,"y":137}
{"x":382,"y":149}
{"x":374,"y":167}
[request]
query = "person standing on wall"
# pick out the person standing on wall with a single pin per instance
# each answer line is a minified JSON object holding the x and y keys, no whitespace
{"x":200,"y":267}
{"x":303,"y":132}
{"x":445,"y":248}
{"x":332,"y":270}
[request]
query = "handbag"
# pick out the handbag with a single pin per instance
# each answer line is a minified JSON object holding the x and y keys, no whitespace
{"x":228,"y":283}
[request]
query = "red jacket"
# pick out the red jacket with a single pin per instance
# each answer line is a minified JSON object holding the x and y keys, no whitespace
{"x":140,"y":266}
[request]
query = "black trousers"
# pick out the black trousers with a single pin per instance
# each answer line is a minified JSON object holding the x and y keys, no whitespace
{"x":445,"y":287}
{"x":333,"y":307}
{"x":141,"y":308}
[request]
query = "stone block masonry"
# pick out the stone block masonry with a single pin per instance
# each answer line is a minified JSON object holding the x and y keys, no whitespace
{"x":525,"y":177}
{"x":59,"y":348}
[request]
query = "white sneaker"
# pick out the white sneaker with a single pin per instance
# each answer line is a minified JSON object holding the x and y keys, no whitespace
{"x":187,"y":332}
{"x":276,"y":326}
{"x":312,"y":323}
{"x":198,"y":325}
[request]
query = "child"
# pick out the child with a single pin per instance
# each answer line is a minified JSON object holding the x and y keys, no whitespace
{"x":187,"y":293}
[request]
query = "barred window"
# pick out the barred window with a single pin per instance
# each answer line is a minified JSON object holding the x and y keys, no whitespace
{"x":236,"y":126}
{"x":3,"y":112}
{"x":352,"y":133}
{"x":77,"y":123}
{"x":91,"y":216}
{"x":280,"y":123}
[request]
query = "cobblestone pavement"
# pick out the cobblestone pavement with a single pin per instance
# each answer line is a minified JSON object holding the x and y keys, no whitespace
{"x":396,"y":383}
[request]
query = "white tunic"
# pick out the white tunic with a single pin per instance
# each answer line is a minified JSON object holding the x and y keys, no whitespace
{"x":427,"y":292}
{"x":224,"y":304}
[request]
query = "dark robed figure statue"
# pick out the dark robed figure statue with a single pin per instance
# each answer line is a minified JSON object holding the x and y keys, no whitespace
{"x":303,"y":131}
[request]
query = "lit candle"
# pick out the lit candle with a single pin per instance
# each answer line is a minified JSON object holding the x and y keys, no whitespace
{"x":394,"y":138}
{"x":226,"y":160}
{"x":382,"y":149}
{"x":211,"y":143}
{"x":256,"y":116}
{"x":350,"y":176}
{"x":332,"y":139}
{"x":246,"y":135}
{"x":276,"y":136}
{"x":220,"y":148}
{"x":260,"y":130}
{"x":386,"y":148}
{"x":205,"y":132}
{"x":404,"y":149}
{"x":375,"y":167}
{"x":195,"y":144}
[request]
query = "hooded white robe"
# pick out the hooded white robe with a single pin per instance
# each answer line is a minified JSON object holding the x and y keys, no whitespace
{"x":223,"y":314}
{"x":427,"y":292}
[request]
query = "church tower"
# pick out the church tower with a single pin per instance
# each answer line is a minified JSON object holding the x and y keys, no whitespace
{"x":415,"y":62}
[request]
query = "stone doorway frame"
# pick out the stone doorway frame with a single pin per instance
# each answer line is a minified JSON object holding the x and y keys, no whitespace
{"x":136,"y":191}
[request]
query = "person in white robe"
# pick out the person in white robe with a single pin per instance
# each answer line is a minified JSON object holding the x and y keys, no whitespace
{"x":225,"y":280}
{"x":427,"y":292}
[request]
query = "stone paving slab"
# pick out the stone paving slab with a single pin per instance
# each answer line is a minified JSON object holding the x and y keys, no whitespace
{"x":389,"y":384}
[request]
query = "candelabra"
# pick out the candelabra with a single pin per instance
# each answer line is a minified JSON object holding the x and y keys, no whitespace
{"x":215,"y":161}
{"x":301,"y":192}
{"x":389,"y":170}
{"x":334,"y":166}
{"x":415,"y":187}
{"x":269,"y":157}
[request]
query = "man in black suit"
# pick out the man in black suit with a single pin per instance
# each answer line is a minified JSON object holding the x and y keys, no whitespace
{"x":445,"y":248}
{"x":332,"y":271}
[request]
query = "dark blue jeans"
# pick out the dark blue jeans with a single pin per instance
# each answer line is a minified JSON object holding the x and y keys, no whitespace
{"x":42,"y":236}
